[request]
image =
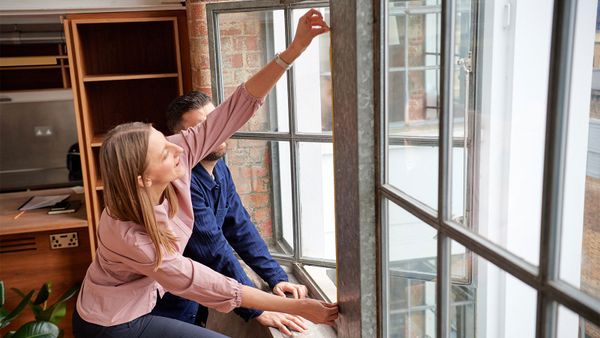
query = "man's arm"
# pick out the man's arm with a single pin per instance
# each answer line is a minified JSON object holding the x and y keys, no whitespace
{"x":245,"y":238}
{"x":208,"y":246}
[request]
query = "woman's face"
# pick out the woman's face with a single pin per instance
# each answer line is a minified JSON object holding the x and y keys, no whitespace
{"x":163,"y":160}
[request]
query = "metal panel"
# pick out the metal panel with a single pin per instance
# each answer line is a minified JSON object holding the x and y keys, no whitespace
{"x":352,"y":39}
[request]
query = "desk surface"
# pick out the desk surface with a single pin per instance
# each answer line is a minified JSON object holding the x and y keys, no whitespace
{"x":39,"y":220}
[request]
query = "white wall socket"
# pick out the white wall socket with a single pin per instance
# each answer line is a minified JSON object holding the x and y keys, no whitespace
{"x":64,"y":240}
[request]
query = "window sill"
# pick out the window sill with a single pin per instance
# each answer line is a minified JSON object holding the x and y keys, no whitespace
{"x":232,"y":325}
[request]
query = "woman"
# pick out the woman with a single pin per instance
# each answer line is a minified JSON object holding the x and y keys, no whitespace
{"x":148,"y":220}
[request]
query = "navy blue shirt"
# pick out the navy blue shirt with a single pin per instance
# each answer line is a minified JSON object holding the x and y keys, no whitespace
{"x":221,"y":226}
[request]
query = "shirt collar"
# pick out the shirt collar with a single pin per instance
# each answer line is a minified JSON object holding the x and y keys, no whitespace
{"x":206,"y":179}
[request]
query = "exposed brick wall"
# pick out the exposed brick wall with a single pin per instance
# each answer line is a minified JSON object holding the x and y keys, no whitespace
{"x":243,"y":53}
{"x":590,"y":262}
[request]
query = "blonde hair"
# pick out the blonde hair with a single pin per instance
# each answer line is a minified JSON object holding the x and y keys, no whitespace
{"x":124,"y":157}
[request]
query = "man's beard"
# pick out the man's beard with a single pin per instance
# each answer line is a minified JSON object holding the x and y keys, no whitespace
{"x":214,"y":156}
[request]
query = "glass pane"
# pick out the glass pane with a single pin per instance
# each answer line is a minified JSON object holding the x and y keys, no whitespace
{"x":325,"y":278}
{"x":312,"y":82}
{"x":412,"y":96}
{"x":511,"y":125}
{"x":580,"y":243}
{"x":571,"y":325}
{"x":262,"y":175}
{"x":315,"y":184}
{"x":247,"y":42}
{"x":495,"y":304}
{"x":412,"y":251}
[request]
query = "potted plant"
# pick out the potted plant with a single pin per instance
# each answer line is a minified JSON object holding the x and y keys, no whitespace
{"x":47,"y":316}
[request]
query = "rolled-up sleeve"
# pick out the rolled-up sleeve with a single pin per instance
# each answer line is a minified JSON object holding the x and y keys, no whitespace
{"x":189,"y":279}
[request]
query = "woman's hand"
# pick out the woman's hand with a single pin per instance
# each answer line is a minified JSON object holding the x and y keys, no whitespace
{"x":309,"y":26}
{"x":317,"y":311}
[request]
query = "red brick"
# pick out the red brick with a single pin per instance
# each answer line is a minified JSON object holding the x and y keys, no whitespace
{"x":261,"y":215}
{"x":260,"y":172}
{"x":234,"y":61}
{"x":243,"y":187}
{"x":251,"y":28}
{"x":260,"y":185}
{"x":262,"y":199}
{"x":251,"y":43}
{"x":246,"y":172}
{"x":266,"y":229}
{"x":253,"y":60}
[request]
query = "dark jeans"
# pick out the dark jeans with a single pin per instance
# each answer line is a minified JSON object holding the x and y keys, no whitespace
{"x":147,"y":326}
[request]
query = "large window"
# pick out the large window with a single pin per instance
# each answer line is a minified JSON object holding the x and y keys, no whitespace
{"x":282,"y":159}
{"x":489,"y":169}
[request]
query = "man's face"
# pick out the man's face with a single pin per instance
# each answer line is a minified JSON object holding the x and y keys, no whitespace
{"x":192,"y":118}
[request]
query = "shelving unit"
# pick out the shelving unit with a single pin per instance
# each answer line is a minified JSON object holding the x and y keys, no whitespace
{"x":47,"y":63}
{"x":125,"y":67}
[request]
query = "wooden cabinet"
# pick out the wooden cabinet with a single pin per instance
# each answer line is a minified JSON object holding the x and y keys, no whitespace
{"x":34,"y":66}
{"x":125,"y":67}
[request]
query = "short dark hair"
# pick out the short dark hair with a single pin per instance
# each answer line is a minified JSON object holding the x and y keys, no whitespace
{"x":183,"y":104}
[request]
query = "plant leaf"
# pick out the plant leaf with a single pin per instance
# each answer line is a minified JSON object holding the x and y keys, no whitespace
{"x":37,"y":329}
{"x":69,"y":293}
{"x":2,"y":299}
{"x":19,"y":292}
{"x":58,"y":313}
{"x":14,"y":313}
{"x":43,"y":294}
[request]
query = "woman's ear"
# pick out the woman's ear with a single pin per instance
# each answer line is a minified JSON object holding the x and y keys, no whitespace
{"x":144,"y":183}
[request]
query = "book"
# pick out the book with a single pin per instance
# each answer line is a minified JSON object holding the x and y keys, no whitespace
{"x":37,"y":202}
{"x":64,"y":207}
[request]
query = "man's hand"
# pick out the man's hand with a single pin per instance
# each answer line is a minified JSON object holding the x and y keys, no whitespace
{"x":297,"y":290}
{"x":282,"y":321}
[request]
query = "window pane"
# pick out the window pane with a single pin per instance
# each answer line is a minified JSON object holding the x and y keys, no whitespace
{"x":262,"y":175}
{"x":495,"y":304}
{"x":570,"y":325}
{"x":247,"y":42}
{"x":412,"y":96}
{"x":317,"y":223}
{"x":580,"y":243}
{"x":511,"y":119}
{"x":312,"y":82}
{"x":411,"y":254}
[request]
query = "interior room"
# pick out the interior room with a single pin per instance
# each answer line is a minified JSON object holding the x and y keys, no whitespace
{"x":430,"y":166}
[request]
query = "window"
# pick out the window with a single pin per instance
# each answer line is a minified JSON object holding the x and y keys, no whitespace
{"x":282,"y":159}
{"x":487,"y":226}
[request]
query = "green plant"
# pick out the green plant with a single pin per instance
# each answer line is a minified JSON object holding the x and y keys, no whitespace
{"x":47,"y":316}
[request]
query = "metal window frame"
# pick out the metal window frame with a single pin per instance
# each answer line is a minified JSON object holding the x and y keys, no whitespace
{"x":551,"y":291}
{"x":292,"y":137}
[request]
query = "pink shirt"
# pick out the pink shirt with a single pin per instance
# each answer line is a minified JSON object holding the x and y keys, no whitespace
{"x":121,"y":285}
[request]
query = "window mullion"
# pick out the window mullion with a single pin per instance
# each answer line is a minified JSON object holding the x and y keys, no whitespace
{"x":445,"y":168}
{"x":561,"y":55}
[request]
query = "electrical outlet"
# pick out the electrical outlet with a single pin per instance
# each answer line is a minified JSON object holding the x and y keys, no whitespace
{"x":43,"y":131}
{"x":64,"y":240}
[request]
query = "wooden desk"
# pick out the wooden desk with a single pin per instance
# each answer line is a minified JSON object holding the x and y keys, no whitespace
{"x":38,"y":220}
{"x":26,"y":257}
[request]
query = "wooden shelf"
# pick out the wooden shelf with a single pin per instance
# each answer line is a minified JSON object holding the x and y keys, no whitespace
{"x":124,"y":77}
{"x":38,"y":220}
{"x":97,"y":141}
{"x":99,"y":185}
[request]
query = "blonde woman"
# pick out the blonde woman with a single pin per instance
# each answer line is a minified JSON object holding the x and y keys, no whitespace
{"x":148,"y":220}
